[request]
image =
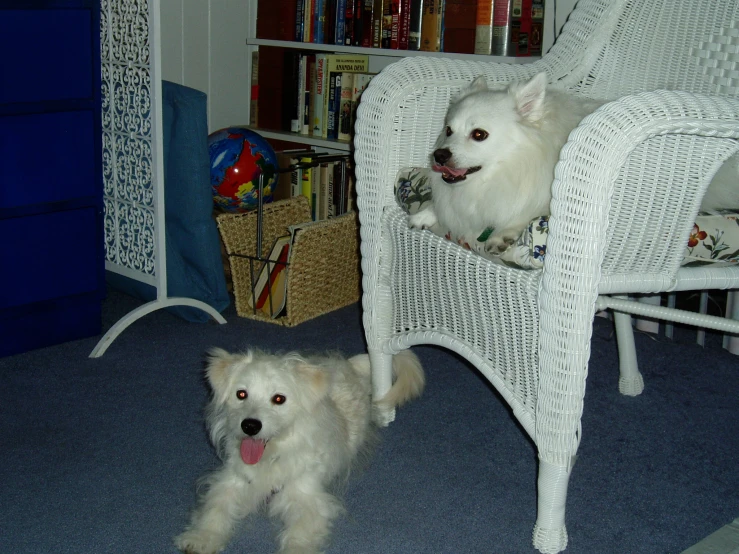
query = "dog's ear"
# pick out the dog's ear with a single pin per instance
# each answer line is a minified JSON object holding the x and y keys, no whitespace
{"x":529,"y":97}
{"x":478,"y":85}
{"x":218,"y":369}
{"x":314,"y":382}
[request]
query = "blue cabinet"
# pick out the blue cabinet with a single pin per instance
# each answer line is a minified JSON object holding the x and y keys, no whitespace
{"x":51,"y":212}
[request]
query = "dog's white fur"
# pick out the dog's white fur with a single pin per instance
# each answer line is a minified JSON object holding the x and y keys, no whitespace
{"x":312,"y":415}
{"x":514,"y":136}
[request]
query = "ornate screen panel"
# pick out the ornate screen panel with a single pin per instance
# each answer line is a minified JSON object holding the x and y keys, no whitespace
{"x":131,"y":98}
{"x":133,"y":166}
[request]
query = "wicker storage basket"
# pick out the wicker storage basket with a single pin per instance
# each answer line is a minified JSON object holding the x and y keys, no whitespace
{"x":324,"y":268}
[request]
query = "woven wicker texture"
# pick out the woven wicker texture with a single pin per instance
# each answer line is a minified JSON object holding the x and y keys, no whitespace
{"x":323,"y":271}
{"x":643,"y":160}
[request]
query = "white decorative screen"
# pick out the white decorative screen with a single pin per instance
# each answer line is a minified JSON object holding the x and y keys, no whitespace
{"x":129,"y":143}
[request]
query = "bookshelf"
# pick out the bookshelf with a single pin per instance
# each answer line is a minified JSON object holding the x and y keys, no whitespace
{"x":279,"y":29}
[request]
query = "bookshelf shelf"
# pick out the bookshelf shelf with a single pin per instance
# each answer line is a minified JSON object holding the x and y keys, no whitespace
{"x":338,"y":48}
{"x":340,"y":145}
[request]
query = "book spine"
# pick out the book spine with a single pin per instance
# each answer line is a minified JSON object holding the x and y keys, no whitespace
{"x":414,"y":29}
{"x":405,"y":23}
{"x":300,"y":91}
{"x":367,"y":10}
{"x":310,"y":62}
{"x":344,"y":112}
{"x":500,"y":43}
{"x":319,"y":21}
{"x":308,"y":20}
{"x":315,"y":191}
{"x":358,"y":22}
{"x":296,"y":180}
{"x":299,"y":20}
{"x":537,"y":28}
{"x":323,"y":194}
{"x":395,"y":11}
{"x":340,"y":22}
{"x":377,"y":17}
{"x":430,"y":26}
{"x":349,"y":22}
{"x":319,"y":124}
{"x":330,"y":206}
{"x":484,"y":27}
{"x":306,"y":179}
{"x":334,"y":95}
{"x":254,"y":95}
{"x":387,"y":23}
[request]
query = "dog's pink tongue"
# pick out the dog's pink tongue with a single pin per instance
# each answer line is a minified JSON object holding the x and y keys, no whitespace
{"x":453,"y":171}
{"x":252,"y":450}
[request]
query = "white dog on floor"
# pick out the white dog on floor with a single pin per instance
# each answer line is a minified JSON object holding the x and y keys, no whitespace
{"x":287,"y":428}
{"x":493,"y":163}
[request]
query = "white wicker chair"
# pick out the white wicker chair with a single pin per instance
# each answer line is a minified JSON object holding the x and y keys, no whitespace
{"x":626,"y":191}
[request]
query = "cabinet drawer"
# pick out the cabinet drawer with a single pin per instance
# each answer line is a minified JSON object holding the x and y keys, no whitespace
{"x":47,"y":158}
{"x":49,"y":256}
{"x":46,"y":55}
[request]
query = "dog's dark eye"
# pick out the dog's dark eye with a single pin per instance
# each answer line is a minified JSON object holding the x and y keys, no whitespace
{"x":279,"y":399}
{"x":241,"y":394}
{"x":479,"y":135}
{"x":448,"y":131}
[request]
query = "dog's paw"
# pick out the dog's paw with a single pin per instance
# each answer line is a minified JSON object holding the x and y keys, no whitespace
{"x":424,"y":219}
{"x":199,"y":542}
{"x":497,"y":244}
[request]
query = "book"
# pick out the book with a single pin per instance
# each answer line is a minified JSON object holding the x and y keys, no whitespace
{"x":319,"y":21}
{"x":358,"y":26}
{"x":349,"y":22}
{"x":395,"y":14}
{"x":319,"y":89}
{"x":377,"y":15}
{"x":254,"y":95}
{"x":340,"y":22}
{"x":299,"y":20}
{"x":331,"y":131}
{"x":367,"y":11}
{"x":306,"y":180}
{"x":344,"y":111}
{"x":356,"y":63}
{"x":431,"y":25}
{"x":308,"y":20}
{"x":264,"y":291}
{"x":322,"y":200}
{"x":387,"y":22}
{"x":289,"y":182}
{"x":484,"y":27}
{"x":299,"y":83}
{"x":459,"y":27}
{"x":404,"y":24}
{"x":310,"y":86}
{"x":500,"y":43}
{"x":414,"y":27}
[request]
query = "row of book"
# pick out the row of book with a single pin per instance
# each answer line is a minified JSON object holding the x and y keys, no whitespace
{"x":326,"y":180}
{"x":497,"y":27}
{"x":326,"y":92}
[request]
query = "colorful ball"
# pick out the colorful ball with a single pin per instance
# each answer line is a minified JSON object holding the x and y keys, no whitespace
{"x":238,"y":156}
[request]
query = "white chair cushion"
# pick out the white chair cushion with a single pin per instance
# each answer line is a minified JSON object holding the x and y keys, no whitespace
{"x":713,"y":240}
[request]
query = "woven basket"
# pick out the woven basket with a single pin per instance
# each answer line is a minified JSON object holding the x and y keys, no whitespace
{"x":324,"y":268}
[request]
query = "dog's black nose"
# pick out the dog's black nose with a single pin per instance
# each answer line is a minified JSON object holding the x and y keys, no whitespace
{"x":442,"y":155}
{"x":251,"y":426}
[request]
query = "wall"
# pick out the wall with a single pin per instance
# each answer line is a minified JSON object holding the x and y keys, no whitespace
{"x":204,"y":47}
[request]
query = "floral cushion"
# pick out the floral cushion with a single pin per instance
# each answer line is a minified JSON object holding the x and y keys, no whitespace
{"x":714,"y":238}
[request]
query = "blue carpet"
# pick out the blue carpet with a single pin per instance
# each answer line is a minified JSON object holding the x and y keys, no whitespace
{"x":101,"y":455}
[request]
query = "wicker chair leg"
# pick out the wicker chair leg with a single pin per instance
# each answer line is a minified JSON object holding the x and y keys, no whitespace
{"x":382,"y":379}
{"x":550,"y":533}
{"x":630,"y":383}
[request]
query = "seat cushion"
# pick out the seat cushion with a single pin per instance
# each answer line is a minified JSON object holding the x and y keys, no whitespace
{"x":713,"y":240}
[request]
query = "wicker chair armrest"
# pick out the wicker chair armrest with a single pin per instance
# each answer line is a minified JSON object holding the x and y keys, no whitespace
{"x":594,"y":180}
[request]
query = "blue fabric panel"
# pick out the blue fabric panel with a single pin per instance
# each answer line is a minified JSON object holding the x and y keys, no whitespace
{"x":194,"y":266}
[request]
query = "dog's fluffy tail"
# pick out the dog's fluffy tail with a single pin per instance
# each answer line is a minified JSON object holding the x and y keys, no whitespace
{"x":409,"y":380}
